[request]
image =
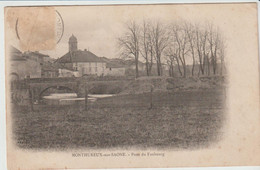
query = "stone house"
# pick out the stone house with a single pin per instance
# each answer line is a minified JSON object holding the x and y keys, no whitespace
{"x":22,"y":66}
{"x":49,"y":71}
{"x":115,"y":69}
{"x":82,"y":61}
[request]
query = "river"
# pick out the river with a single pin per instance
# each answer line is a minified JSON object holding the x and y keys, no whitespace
{"x":70,"y":98}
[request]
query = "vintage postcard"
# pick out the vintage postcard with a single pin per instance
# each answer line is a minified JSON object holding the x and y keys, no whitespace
{"x":127,"y":86}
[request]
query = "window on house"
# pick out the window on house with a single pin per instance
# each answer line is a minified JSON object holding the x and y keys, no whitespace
{"x":75,"y":66}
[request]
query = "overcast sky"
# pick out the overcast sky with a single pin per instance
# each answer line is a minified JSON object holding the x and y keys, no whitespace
{"x":97,"y":27}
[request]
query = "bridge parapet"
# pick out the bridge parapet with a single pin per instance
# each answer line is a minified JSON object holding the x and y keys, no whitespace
{"x":55,"y":79}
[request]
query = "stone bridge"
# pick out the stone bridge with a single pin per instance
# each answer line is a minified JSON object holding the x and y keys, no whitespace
{"x":37,"y":86}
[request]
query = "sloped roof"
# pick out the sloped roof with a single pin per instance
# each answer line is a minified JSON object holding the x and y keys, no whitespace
{"x":132,"y":62}
{"x":15,"y":50}
{"x":49,"y":67}
{"x":79,"y":56}
{"x":16,"y":54}
{"x":35,"y":53}
{"x":105,"y":59}
{"x":114,"y":65}
{"x":39,"y":54}
{"x":61,"y":66}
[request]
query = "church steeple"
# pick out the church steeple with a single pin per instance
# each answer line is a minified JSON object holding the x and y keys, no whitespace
{"x":73,"y":43}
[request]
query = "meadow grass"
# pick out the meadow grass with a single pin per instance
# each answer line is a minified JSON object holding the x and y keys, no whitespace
{"x":187,"y":119}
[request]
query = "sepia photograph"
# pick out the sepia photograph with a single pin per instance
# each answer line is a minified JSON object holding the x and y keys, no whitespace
{"x":120,"y":82}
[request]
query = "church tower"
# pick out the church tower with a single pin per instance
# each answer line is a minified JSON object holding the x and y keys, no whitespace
{"x":73,"y":43}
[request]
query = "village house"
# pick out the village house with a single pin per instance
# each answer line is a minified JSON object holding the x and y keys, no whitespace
{"x":31,"y":64}
{"x":130,"y":64}
{"x":23,"y":65}
{"x":36,"y":56}
{"x":67,"y":72}
{"x":115,"y":69}
{"x":82,"y":61}
{"x":49,"y":71}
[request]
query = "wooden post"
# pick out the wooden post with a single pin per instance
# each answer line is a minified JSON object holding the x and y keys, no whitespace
{"x":151,"y":98}
{"x":225,"y":92}
{"x":86,"y":98}
{"x":31,"y":99}
{"x":30,"y":94}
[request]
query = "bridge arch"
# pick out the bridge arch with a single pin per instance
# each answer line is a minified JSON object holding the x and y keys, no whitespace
{"x":14,"y":76}
{"x":55,"y":87}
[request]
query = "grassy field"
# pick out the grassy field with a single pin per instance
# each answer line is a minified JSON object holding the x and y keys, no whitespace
{"x":185,"y":119}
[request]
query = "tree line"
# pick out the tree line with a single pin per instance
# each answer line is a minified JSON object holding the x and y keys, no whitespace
{"x":175,"y":45}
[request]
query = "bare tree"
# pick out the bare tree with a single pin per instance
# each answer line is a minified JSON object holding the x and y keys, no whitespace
{"x":179,"y":44}
{"x":181,"y":39}
{"x":172,"y":58}
{"x":201,"y":44}
{"x":222,"y":48}
{"x":190,"y":31}
{"x":129,"y":43}
{"x":170,"y":64}
{"x":151,"y":51}
{"x":160,"y":40}
{"x":202,"y":48}
{"x":147,"y":50}
{"x":213,"y":46}
{"x":217,"y":47}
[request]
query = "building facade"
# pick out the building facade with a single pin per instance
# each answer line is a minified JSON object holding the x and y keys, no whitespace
{"x":114,"y":69}
{"x":82,"y":61}
{"x":49,"y":71}
{"x":90,"y":68}
{"x":22,"y":66}
{"x":63,"y":72}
